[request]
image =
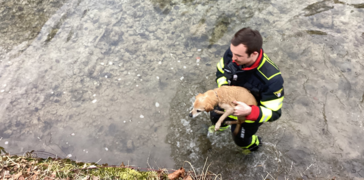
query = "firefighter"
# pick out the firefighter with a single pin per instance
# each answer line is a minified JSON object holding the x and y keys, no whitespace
{"x":245,"y":64}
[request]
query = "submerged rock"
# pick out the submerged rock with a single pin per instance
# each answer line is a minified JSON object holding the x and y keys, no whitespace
{"x":130,"y":145}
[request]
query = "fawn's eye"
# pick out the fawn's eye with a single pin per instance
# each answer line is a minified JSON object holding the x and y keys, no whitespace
{"x":198,"y":111}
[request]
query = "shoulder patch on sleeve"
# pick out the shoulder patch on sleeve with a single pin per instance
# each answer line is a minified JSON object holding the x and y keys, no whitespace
{"x":278,"y":93}
{"x":268,"y":69}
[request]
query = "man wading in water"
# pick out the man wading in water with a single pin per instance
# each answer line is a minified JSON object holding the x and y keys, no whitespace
{"x":245,"y":64}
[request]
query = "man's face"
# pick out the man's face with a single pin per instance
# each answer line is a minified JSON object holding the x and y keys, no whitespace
{"x":241,"y":57}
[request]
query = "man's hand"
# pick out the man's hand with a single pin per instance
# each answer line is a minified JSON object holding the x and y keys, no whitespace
{"x":241,"y":109}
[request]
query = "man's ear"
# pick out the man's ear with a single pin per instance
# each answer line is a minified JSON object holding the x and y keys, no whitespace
{"x":255,"y":53}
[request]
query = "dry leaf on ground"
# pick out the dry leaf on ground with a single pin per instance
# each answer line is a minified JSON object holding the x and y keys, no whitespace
{"x":176,"y":174}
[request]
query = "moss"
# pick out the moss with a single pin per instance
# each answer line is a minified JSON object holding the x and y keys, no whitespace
{"x":38,"y":168}
{"x":30,"y":167}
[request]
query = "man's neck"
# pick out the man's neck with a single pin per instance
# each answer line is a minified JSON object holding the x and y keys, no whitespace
{"x":250,"y":64}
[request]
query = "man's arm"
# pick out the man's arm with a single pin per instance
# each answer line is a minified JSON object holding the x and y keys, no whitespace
{"x":220,"y":75}
{"x":271,"y":103}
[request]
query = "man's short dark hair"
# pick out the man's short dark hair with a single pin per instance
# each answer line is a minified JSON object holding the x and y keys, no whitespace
{"x":250,"y":38}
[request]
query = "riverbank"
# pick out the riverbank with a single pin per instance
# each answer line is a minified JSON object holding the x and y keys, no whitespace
{"x":29,"y":166}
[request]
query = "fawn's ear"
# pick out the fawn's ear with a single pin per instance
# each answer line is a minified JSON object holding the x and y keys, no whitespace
{"x":209,"y":107}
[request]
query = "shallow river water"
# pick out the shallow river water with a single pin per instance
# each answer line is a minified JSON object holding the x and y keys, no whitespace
{"x":113,"y":81}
